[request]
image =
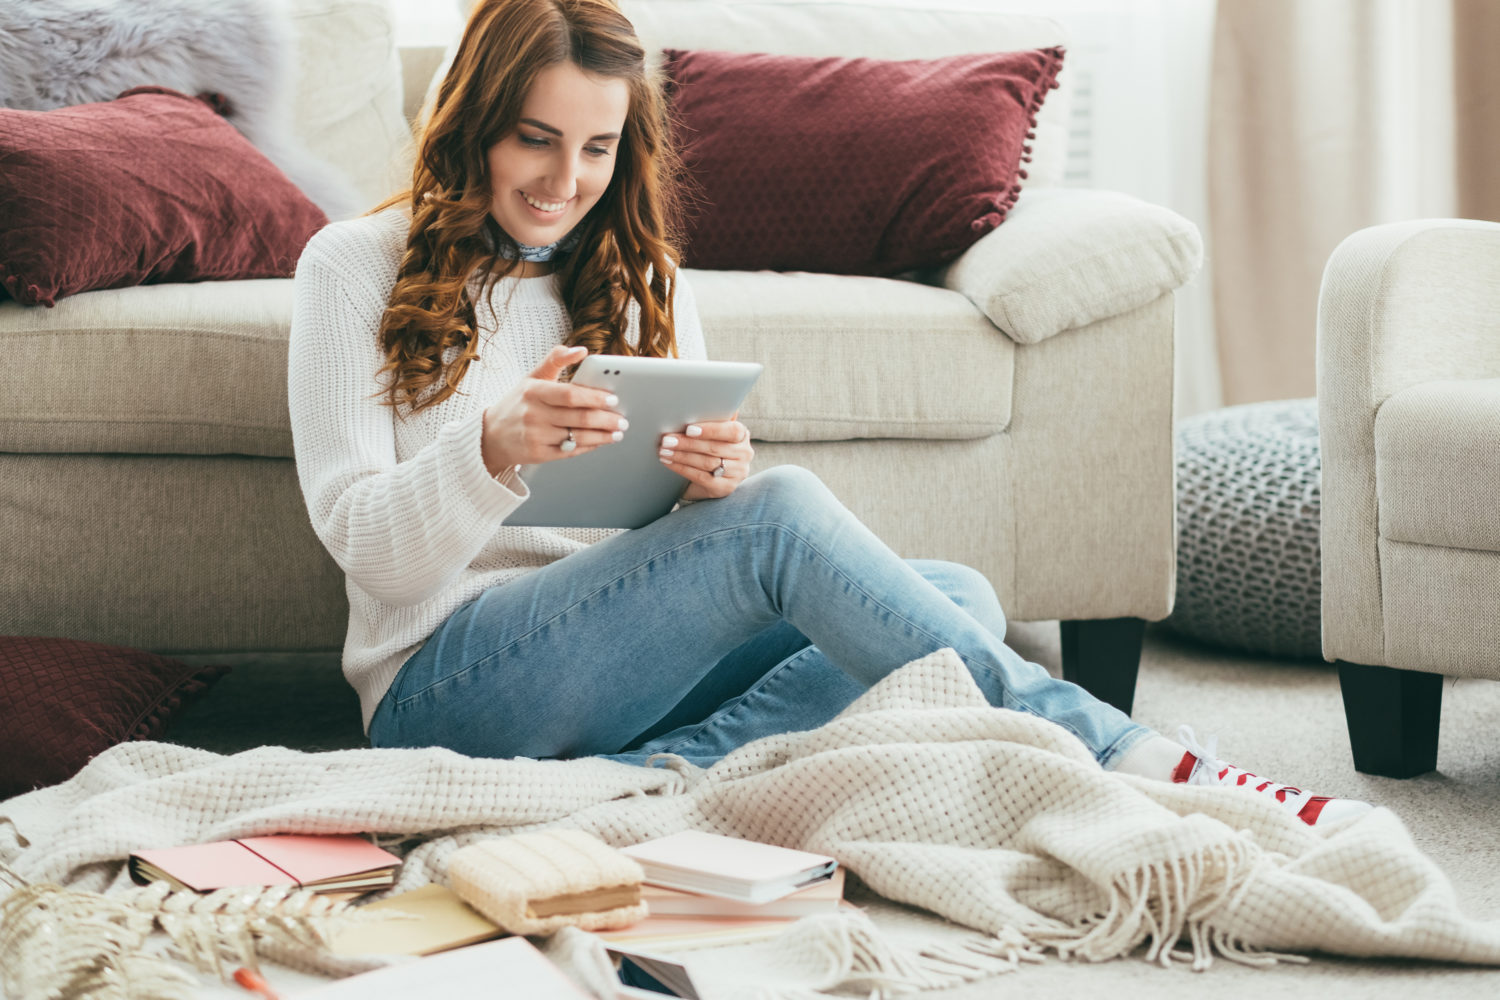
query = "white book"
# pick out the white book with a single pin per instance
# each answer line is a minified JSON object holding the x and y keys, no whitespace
{"x":744,"y":870}
{"x":510,"y":967}
{"x":824,"y":897}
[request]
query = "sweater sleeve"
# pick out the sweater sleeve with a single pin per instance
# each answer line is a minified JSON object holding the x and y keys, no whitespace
{"x":400,"y":531}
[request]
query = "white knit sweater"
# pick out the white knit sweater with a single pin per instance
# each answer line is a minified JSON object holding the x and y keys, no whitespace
{"x":404,"y":503}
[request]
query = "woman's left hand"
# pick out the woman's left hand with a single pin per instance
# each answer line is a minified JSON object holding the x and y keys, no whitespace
{"x":707,"y":446}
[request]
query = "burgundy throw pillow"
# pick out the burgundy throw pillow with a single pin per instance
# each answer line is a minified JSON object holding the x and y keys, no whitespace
{"x":152,"y":186}
{"x":62,"y":701}
{"x":851,"y":166}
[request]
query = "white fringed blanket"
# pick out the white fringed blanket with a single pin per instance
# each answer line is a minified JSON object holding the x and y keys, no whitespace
{"x":993,"y":819}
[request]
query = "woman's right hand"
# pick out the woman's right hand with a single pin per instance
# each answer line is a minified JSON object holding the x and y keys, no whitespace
{"x":531,"y":423}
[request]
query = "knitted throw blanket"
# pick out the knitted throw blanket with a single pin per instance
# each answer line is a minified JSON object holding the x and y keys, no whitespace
{"x":993,"y":819}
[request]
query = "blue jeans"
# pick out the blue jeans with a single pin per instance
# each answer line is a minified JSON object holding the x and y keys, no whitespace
{"x":765,"y":612}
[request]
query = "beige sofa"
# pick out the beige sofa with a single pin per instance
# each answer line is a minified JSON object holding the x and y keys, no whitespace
{"x":147,"y":490}
{"x":1409,"y":421}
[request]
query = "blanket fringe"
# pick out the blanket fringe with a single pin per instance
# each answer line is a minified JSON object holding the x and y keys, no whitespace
{"x":1235,"y":950}
{"x":979,"y":957}
{"x":1163,"y":904}
{"x":856,"y":955}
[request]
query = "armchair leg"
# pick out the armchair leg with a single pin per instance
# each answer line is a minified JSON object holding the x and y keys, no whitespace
{"x":1103,"y":657}
{"x":1393,"y":718}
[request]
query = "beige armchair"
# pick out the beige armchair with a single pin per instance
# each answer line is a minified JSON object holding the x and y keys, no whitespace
{"x":1409,"y":410}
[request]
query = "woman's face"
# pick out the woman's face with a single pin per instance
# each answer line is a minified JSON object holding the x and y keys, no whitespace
{"x":547,"y":174}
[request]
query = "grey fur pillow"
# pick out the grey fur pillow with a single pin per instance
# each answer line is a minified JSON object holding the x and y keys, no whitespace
{"x":58,"y":53}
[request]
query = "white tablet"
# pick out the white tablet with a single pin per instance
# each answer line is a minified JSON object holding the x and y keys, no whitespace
{"x":624,"y":484}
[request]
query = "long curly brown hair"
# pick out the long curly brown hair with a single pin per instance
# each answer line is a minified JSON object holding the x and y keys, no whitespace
{"x":629,"y":241}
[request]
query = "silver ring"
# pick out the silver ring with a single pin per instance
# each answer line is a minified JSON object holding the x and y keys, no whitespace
{"x":718,"y":472}
{"x":568,"y":443}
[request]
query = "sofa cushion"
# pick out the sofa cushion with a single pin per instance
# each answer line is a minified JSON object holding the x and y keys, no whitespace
{"x":1066,"y":258}
{"x":851,"y":166}
{"x":349,"y":93}
{"x":200,"y":369}
{"x":153,"y":186}
{"x":160,"y":369}
{"x":1437,"y":461}
{"x":63,"y":701}
{"x":873,"y":357}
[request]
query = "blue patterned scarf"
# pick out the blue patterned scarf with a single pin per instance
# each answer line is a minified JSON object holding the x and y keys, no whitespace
{"x":541,"y":254}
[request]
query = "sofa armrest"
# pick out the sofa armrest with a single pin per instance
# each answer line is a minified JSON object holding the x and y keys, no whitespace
{"x":1066,"y":257}
{"x":1408,"y":303}
{"x":1400,"y":305}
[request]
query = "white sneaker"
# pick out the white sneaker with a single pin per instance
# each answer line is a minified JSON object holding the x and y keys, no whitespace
{"x":1199,"y":766}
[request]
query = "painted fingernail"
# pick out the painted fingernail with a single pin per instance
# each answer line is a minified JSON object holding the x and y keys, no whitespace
{"x":611,"y":400}
{"x":693,"y":430}
{"x":624,"y":425}
{"x":617,"y":436}
{"x":666,"y":461}
{"x":670,"y":441}
{"x":664,"y":453}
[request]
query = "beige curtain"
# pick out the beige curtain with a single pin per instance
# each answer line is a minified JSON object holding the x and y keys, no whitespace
{"x":1476,"y":35}
{"x":1327,"y":116}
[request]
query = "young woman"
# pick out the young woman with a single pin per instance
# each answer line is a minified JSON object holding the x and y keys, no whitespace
{"x":427,"y":346}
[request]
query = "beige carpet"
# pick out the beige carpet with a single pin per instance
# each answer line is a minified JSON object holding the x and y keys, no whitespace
{"x":1282,"y":719}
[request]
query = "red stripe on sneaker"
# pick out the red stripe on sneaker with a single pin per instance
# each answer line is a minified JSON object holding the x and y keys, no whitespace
{"x":1184,"y":768}
{"x":1310,"y":812}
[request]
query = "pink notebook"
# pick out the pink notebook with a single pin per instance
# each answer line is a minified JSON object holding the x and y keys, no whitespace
{"x":321,"y":862}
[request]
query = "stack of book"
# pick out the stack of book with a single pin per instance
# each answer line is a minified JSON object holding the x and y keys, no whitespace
{"x":704,"y":889}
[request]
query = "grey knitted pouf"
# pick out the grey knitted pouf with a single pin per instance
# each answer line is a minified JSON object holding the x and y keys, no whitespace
{"x":1247,"y":522}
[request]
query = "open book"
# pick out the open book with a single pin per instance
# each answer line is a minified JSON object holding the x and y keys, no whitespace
{"x":422,"y":921}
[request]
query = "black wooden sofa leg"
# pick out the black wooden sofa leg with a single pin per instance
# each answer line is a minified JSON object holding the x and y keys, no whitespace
{"x":1103,"y":657}
{"x":1393,"y":718}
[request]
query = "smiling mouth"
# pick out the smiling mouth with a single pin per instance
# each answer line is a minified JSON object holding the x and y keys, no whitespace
{"x":544,"y":206}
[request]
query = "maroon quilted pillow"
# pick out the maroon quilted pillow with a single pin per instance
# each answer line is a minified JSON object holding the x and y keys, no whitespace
{"x":62,"y":701}
{"x":852,"y":166}
{"x":152,"y":186}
